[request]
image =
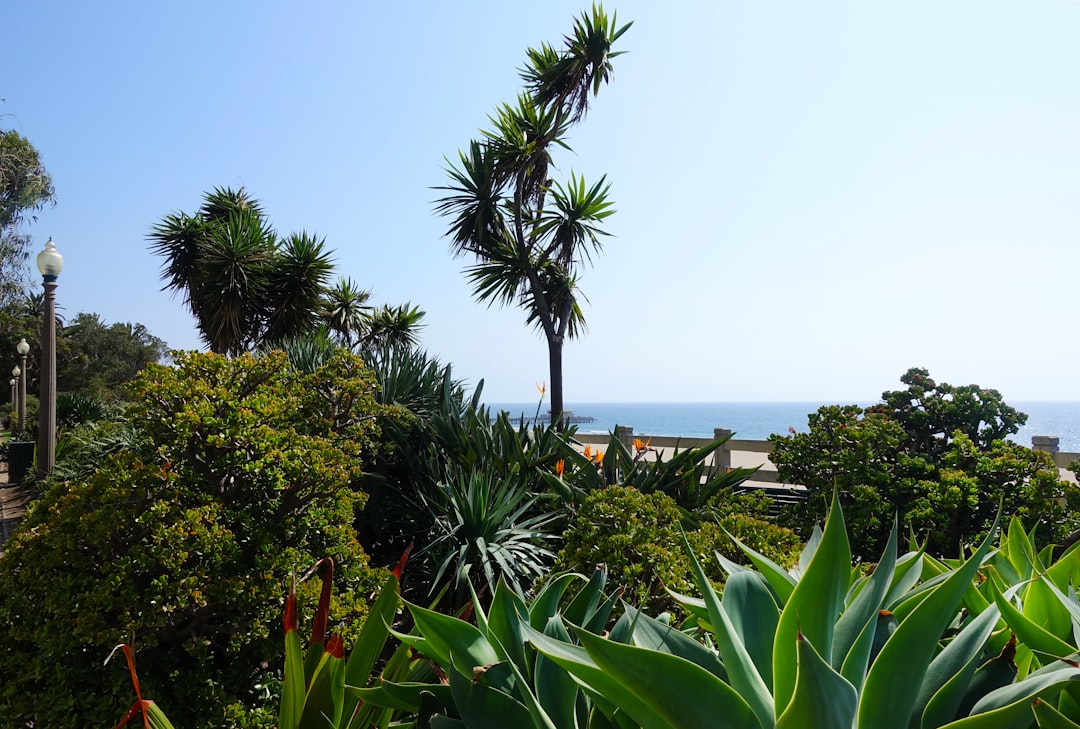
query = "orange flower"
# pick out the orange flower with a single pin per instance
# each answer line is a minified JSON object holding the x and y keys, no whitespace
{"x":641,"y":446}
{"x":560,"y":467}
{"x":599,"y":457}
{"x":588,"y":452}
{"x":541,"y":387}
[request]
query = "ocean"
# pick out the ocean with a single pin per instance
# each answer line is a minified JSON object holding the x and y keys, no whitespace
{"x":758,"y":420}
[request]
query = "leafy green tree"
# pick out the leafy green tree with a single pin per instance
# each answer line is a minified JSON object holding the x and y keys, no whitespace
{"x":244,"y":285}
{"x":239,"y":473}
{"x":96,"y":359}
{"x":933,"y":453}
{"x":25,"y":187}
{"x":528,"y":234}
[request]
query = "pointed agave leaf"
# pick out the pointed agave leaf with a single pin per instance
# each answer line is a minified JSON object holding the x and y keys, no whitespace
{"x":907,"y":575}
{"x":895,"y":678}
{"x":603,"y":686}
{"x":546,"y":603}
{"x":1010,"y":706}
{"x":782,"y":583}
{"x":556,"y":689}
{"x":1048,"y":717}
{"x":1029,"y":633}
{"x":507,"y":612}
{"x":324,"y":700}
{"x":665,"y":682}
{"x":484,"y":707}
{"x":651,"y":634}
{"x":949,"y":674}
{"x":862,"y":611}
{"x":814,"y":605}
{"x":742,"y":673}
{"x":823,"y":699}
{"x":446,"y":637}
{"x":754,"y":616}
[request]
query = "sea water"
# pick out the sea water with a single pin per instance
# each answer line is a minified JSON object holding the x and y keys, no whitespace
{"x":759,"y":420}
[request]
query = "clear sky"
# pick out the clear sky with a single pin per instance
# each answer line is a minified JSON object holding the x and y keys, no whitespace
{"x":812,"y":196}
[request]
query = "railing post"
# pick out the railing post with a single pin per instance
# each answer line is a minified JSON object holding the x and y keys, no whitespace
{"x":1046,"y":443}
{"x":722,"y":455}
{"x":625,"y":434}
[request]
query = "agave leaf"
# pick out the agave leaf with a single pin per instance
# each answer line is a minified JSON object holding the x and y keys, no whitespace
{"x":782,"y":583}
{"x":861,"y":612}
{"x":483,"y":707}
{"x":895,"y":677}
{"x":504,"y":624}
{"x":406,"y":696}
{"x":1014,"y":700}
{"x":556,"y":689}
{"x":1044,"y":608}
{"x":1029,"y":633}
{"x":665,"y":682}
{"x":651,"y":634}
{"x":949,"y":675}
{"x":823,"y":699}
{"x":750,"y":606}
{"x":445,"y":637}
{"x":575,"y":660}
{"x":742,"y":673}
{"x":1048,"y":717}
{"x":546,"y":603}
{"x":907,"y":575}
{"x":585,"y":603}
{"x":814,"y":605}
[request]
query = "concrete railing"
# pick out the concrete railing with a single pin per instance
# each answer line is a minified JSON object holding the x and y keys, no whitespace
{"x":737,"y":453}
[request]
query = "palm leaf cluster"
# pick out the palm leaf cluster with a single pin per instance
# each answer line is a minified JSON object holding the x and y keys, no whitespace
{"x":243,"y":283}
{"x":528,"y":233}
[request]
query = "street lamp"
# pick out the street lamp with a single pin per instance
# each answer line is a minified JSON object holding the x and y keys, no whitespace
{"x":23,"y":349}
{"x":15,"y":372}
{"x":49,"y":263}
{"x":13,"y":389}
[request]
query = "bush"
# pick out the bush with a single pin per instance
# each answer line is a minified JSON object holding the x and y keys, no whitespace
{"x":932,"y":453}
{"x":239,"y":475}
{"x":639,"y":537}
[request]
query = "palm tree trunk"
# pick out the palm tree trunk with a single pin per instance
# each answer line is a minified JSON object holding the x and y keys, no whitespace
{"x":555,"y":345}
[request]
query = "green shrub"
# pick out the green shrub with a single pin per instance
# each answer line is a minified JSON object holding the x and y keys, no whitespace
{"x":639,"y":537}
{"x":239,"y":475}
{"x":933,"y":453}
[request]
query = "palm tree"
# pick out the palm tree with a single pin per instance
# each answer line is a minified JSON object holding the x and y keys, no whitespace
{"x":344,"y":307}
{"x":528,"y":234}
{"x":243,"y":284}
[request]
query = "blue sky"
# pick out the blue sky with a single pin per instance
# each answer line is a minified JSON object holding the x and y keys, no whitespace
{"x":812,"y":196}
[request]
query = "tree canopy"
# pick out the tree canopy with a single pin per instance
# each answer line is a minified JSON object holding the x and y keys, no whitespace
{"x":529,"y":234}
{"x":25,"y":187}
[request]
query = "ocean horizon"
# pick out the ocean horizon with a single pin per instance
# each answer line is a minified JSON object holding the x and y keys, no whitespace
{"x":759,"y":420}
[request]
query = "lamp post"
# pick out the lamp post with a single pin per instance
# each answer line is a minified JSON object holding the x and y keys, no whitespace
{"x":13,"y":390}
{"x":15,"y":372}
{"x":49,"y":263}
{"x":23,"y":348}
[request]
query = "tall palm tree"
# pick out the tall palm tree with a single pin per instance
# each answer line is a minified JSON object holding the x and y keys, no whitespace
{"x":243,"y":284}
{"x":344,"y":307}
{"x":529,"y":235}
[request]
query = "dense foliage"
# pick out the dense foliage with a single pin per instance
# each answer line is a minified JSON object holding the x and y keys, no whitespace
{"x":933,"y":453}
{"x":97,"y":360}
{"x":239,"y":474}
{"x":25,"y":187}
{"x":638,"y":537}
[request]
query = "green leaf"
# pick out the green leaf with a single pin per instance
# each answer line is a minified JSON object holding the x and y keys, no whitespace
{"x":1050,"y":718}
{"x":666,"y":682}
{"x":754,"y":616}
{"x":895,"y":677}
{"x":369,"y":645}
{"x":445,"y":636}
{"x":504,"y":624}
{"x":947,"y":680}
{"x":546,"y":603}
{"x":814,"y":605}
{"x":742,"y":673}
{"x":823,"y":699}
{"x":651,"y":634}
{"x":483,"y":707}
